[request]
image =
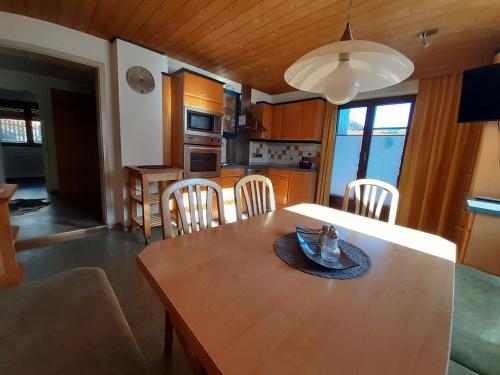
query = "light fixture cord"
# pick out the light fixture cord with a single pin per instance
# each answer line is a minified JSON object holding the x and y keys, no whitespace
{"x":349,"y":12}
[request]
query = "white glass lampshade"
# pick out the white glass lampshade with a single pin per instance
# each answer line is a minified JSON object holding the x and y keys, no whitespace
{"x":341,"y":85}
{"x":373,"y":66}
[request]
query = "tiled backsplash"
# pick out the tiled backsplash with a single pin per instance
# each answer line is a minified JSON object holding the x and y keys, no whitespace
{"x":262,"y":152}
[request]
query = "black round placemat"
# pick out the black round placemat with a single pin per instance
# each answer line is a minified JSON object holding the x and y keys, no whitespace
{"x":288,"y":249}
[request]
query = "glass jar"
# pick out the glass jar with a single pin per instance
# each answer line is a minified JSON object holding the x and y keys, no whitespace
{"x":329,"y":247}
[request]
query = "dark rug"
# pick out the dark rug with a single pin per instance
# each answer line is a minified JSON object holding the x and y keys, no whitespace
{"x":22,"y":206}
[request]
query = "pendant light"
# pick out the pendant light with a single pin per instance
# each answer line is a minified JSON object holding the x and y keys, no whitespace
{"x":343,"y":69}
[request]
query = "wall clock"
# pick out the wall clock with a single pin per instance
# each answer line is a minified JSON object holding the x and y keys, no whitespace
{"x":140,"y":79}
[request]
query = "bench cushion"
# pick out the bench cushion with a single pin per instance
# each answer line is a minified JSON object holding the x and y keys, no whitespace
{"x":475,"y":340}
{"x":69,"y":323}
{"x":457,"y":369}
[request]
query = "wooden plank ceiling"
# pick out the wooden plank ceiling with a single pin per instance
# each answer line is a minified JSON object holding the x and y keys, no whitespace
{"x":254,"y":41}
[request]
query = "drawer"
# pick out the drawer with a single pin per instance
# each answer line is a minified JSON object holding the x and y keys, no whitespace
{"x":232,"y":172}
{"x":279,"y":172}
{"x":203,"y":88}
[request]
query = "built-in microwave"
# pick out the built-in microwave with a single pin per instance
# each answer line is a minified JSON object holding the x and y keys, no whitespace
{"x":202,"y":122}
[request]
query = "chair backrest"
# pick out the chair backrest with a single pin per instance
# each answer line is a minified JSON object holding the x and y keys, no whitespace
{"x":261,"y":188}
{"x":365,"y":198}
{"x":200,"y":214}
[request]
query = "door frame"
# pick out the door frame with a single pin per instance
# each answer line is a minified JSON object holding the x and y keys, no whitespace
{"x":105,"y":114}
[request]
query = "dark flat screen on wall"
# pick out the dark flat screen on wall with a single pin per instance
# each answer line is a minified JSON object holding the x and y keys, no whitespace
{"x":480,"y":100}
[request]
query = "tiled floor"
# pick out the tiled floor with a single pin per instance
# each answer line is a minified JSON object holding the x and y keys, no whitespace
{"x":115,"y":251}
{"x":63,"y":214}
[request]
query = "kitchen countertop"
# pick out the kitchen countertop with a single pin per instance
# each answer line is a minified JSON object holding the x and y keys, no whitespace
{"x":265,"y":166}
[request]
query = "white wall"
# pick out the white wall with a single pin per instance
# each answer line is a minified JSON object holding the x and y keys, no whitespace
{"x":50,"y":39}
{"x":140,"y":115}
{"x":40,"y":87}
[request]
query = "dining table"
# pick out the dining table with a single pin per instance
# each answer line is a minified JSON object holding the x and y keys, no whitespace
{"x":240,"y":309}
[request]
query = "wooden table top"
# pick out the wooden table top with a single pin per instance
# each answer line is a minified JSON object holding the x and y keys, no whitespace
{"x":7,"y":191}
{"x":251,"y":313}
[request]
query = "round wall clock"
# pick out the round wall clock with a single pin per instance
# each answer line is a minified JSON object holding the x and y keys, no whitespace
{"x":140,"y":79}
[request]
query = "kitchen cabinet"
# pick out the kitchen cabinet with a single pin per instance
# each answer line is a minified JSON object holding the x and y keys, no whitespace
{"x":232,"y":172}
{"x":313,"y":117}
{"x":263,"y":112}
{"x":280,"y":187}
{"x":291,"y":121}
{"x":229,"y":178}
{"x":203,"y":88}
{"x":301,"y":187}
{"x":276,"y":122}
{"x":293,"y":187}
{"x":301,"y":120}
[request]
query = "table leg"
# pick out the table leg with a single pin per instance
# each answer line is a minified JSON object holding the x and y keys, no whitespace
{"x":146,"y":208}
{"x":132,"y":203}
{"x":169,"y":334}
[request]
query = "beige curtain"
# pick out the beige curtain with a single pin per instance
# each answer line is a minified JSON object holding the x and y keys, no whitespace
{"x":327,"y":150}
{"x":438,"y":161}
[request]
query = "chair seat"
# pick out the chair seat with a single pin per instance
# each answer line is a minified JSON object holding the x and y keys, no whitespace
{"x":476,"y":321}
{"x":69,"y":323}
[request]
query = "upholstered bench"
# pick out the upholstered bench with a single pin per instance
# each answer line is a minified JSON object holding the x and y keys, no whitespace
{"x":475,"y":343}
{"x":69,"y":323}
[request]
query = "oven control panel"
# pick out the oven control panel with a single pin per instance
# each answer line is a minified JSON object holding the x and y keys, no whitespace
{"x":202,"y":140}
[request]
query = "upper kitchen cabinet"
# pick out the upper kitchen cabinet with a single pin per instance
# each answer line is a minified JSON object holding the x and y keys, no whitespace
{"x":202,"y":92}
{"x":291,"y":121}
{"x":203,"y":88}
{"x":263,"y":112}
{"x":313,"y":117}
{"x":294,"y":121}
{"x":276,"y":121}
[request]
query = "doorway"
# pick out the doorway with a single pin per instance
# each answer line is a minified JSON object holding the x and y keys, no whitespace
{"x":370,"y":142}
{"x":50,"y":143}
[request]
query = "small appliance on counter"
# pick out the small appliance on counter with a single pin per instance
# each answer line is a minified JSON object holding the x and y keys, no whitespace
{"x":305,"y":162}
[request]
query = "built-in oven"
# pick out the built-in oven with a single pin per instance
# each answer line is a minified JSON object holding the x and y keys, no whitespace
{"x":201,"y":161}
{"x":202,"y":122}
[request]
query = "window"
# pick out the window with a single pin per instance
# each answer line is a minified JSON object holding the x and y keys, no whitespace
{"x":370,"y":141}
{"x":20,"y":123}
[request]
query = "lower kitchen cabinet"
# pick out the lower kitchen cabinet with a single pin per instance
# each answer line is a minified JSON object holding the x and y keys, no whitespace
{"x":293,"y":187}
{"x":302,"y":187}
{"x":290,"y":187}
{"x":280,"y":187}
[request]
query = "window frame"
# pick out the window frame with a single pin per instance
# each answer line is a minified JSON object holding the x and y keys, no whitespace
{"x":28,"y":118}
{"x":371,"y":105}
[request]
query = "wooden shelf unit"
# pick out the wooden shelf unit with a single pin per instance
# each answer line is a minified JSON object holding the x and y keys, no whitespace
{"x":140,"y":180}
{"x":11,"y":271}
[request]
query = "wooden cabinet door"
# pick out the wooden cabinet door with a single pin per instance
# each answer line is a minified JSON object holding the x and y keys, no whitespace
{"x":301,"y":187}
{"x":280,"y":187}
{"x":292,"y":117}
{"x":264,"y":113}
{"x":203,"y":88}
{"x":313,"y":117}
{"x":276,"y":122}
{"x":232,"y":172}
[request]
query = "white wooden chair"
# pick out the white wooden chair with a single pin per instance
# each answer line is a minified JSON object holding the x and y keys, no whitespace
{"x":261,"y":188}
{"x":365,"y":198}
{"x":200,"y":214}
